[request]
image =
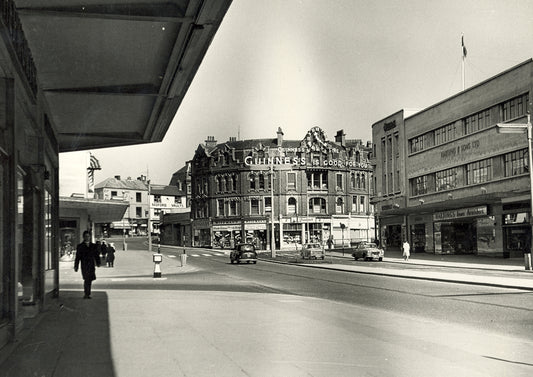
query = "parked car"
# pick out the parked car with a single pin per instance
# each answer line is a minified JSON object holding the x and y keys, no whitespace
{"x":243,"y":252}
{"x":368,"y":251}
{"x":313,"y":251}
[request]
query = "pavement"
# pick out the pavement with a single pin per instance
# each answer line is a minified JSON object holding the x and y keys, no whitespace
{"x":76,"y":337}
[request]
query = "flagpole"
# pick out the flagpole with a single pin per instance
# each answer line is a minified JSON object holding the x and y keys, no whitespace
{"x":463,"y":54}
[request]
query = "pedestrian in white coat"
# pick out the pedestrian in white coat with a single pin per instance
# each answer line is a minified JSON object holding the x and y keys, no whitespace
{"x":406,"y":248}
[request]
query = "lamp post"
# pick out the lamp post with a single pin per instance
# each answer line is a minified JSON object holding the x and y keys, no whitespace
{"x":513,"y":128}
{"x":272,"y":232}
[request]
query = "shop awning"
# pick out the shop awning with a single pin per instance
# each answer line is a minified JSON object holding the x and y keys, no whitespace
{"x":98,"y":210}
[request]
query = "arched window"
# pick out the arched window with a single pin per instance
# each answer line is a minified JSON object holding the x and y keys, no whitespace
{"x":291,"y":206}
{"x":261,"y":181}
{"x":219,"y":184}
{"x":357,"y":157}
{"x":317,"y":205}
{"x":339,"y":205}
{"x":229,"y":186}
{"x":358,"y":181}
{"x":252,"y":181}
{"x":352,"y":180}
{"x":234,"y":182}
{"x":363,"y":181}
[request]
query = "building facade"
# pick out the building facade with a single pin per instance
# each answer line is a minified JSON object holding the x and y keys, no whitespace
{"x":296,"y":191}
{"x":447,"y":181}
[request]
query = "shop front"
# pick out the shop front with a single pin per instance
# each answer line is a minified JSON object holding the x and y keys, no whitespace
{"x":201,"y":229}
{"x":256,"y":233}
{"x":226,"y":235}
{"x":464,"y":231}
{"x":516,"y":224}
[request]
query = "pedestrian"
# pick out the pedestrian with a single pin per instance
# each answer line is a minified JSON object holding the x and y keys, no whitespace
{"x":88,"y":256}
{"x":110,"y":255}
{"x":406,"y":250}
{"x":103,"y":250}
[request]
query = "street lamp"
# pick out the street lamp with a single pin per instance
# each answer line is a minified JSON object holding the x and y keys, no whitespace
{"x":514,"y":128}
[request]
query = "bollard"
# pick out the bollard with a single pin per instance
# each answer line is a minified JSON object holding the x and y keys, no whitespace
{"x":527,"y":261}
{"x":158,"y":258}
{"x":183,"y":258}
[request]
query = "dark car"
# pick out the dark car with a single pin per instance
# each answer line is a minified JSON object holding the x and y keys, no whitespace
{"x":243,"y":252}
{"x":368,"y":251}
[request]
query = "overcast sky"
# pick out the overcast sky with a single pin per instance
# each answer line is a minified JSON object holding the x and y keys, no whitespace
{"x":336,"y":64}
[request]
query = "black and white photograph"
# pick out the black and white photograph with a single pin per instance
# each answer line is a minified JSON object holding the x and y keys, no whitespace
{"x":266,"y":188}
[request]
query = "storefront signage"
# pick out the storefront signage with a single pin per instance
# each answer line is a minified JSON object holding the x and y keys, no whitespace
{"x":460,"y":213}
{"x":219,"y":228}
{"x":302,"y":161}
{"x":460,"y":149}
{"x":254,"y":226}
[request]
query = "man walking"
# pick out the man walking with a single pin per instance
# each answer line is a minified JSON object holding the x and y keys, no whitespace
{"x":87,"y":254}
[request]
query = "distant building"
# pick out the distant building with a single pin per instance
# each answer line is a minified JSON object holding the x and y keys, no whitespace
{"x":182,"y":180}
{"x":311,"y":189}
{"x":145,"y":202}
{"x":447,"y":181}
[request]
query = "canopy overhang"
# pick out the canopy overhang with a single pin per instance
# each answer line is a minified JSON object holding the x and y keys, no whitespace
{"x":98,"y":210}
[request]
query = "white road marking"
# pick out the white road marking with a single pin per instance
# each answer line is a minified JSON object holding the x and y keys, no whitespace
{"x":207,"y":255}
{"x":194,"y":255}
{"x":171,"y":256}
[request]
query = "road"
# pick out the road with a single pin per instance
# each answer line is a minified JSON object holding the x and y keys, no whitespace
{"x":281,"y":320}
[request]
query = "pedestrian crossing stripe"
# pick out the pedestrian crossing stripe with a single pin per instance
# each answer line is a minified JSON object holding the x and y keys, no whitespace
{"x":207,"y":255}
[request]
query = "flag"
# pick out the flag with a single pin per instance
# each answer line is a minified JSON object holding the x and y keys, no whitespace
{"x":94,"y":164}
{"x":463,"y":45}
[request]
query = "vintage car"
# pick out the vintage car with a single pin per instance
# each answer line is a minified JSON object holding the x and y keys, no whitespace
{"x":243,"y":252}
{"x":368,"y":251}
{"x":313,"y":251}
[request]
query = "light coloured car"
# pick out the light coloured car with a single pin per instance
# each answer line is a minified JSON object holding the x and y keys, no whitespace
{"x":313,"y":250}
{"x":368,"y":251}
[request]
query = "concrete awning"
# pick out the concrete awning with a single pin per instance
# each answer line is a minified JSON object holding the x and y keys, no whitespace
{"x":114,"y":72}
{"x":98,"y":210}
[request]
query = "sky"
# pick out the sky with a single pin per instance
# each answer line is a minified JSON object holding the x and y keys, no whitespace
{"x":336,"y":64}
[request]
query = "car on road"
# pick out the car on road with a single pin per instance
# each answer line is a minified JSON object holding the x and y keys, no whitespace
{"x":243,"y":253}
{"x":313,"y":250}
{"x":368,"y":251}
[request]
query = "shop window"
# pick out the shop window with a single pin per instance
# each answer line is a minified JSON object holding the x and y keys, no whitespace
{"x":516,"y":163}
{"x":291,"y":206}
{"x":317,"y":205}
{"x":254,"y":206}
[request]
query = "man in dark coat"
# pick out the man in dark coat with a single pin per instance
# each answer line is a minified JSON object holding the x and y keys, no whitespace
{"x":87,"y":254}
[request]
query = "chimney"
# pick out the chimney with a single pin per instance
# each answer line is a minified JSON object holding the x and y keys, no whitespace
{"x":280,"y":137}
{"x":117,"y":177}
{"x":340,"y":138}
{"x":210,"y":142}
{"x":232,"y":138}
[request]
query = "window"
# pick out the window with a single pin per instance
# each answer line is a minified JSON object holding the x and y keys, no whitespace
{"x":317,"y":205}
{"x":444,"y":134}
{"x":340,"y":184}
{"x":514,"y":108}
{"x":478,"y":172}
{"x":361,"y":204}
{"x":352,"y":180}
{"x":234,"y":182}
{"x":138,"y":197}
{"x":317,"y":181}
{"x":113,"y":194}
{"x":354,"y":203}
{"x":421,"y":142}
{"x":261,"y":181}
{"x":157,"y":198}
{"x":516,"y":163}
{"x":291,"y":206}
{"x":229,"y":185}
{"x":268,"y":204}
{"x":177,"y":200}
{"x":252,"y":181}
{"x":220,"y":207}
{"x":233,"y":208}
{"x":189,"y":188}
{"x":419,"y":185}
{"x":254,"y":206}
{"x":477,"y":121}
{"x":446,"y":179}
{"x":363,"y":181}
{"x":339,"y":205}
{"x":291,"y":181}
{"x":138,"y":212}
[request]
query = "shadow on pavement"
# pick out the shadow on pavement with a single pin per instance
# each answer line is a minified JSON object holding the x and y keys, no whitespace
{"x":72,"y":339}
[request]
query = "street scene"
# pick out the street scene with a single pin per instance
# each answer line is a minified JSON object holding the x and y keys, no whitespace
{"x":266,"y":188}
{"x":344,"y":318}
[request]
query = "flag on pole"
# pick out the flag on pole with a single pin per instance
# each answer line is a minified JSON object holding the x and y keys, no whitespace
{"x":463,"y":45}
{"x":94,"y":164}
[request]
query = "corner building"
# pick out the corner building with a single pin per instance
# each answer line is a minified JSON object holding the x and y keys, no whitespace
{"x":447,"y":181}
{"x":310,"y":190}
